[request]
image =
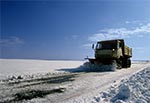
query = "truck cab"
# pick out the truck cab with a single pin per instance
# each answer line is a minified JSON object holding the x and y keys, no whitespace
{"x":111,"y":49}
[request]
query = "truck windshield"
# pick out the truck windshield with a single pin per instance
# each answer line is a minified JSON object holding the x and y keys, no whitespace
{"x":99,"y":46}
{"x":106,"y":45}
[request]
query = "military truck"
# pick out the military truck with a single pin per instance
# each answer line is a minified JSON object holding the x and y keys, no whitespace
{"x":112,"y":51}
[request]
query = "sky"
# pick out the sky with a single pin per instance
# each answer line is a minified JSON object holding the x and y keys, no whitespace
{"x":66,"y":29}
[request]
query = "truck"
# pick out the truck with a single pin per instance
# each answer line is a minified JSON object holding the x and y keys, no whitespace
{"x":112,"y":52}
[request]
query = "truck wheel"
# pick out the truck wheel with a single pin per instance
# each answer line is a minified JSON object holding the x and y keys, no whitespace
{"x":128,"y":63}
{"x":124,"y":63}
{"x":119,"y":64}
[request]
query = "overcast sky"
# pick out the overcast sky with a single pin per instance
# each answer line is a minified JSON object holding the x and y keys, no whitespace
{"x":63,"y":29}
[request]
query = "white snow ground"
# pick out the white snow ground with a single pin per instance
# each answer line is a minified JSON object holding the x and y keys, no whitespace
{"x":38,"y":81}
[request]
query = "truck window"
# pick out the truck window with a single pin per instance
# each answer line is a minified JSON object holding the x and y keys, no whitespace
{"x":109,"y":45}
{"x":119,"y":45}
{"x":98,"y":46}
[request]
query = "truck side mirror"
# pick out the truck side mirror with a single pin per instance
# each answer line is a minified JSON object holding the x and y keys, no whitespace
{"x":93,"y":46}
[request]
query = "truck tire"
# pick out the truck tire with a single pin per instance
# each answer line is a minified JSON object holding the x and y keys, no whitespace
{"x":126,"y":63}
{"x":119,"y":64}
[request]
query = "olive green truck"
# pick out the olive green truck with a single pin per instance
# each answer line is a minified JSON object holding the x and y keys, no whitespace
{"x":112,"y":51}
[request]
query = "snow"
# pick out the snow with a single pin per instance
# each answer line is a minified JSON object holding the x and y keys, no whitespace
{"x":135,"y":89}
{"x":38,"y":81}
{"x":17,"y":67}
{"x":96,"y":68}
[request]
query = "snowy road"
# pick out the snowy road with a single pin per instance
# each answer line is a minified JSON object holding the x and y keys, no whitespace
{"x":91,"y":84}
{"x":57,"y":86}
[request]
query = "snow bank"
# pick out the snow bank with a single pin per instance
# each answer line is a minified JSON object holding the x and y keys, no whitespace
{"x":134,"y":90}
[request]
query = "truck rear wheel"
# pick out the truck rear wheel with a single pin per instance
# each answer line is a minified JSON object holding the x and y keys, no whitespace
{"x":126,"y":63}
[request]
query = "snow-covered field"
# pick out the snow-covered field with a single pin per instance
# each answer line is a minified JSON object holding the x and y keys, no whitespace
{"x":46,"y":81}
{"x":20,"y":67}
